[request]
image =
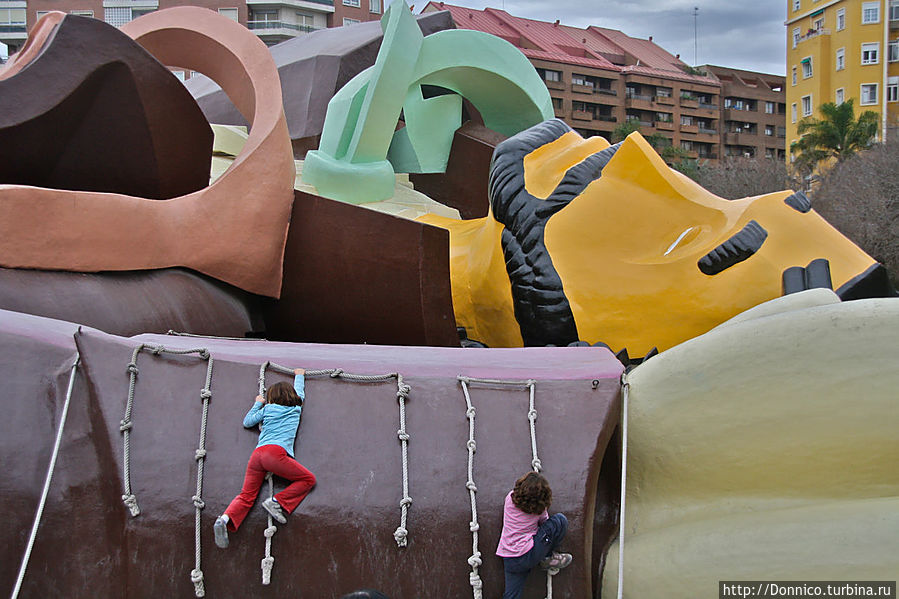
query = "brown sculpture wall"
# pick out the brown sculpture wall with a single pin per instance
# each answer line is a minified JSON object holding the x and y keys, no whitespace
{"x":341,"y":537}
{"x":353,"y":275}
{"x":93,"y":111}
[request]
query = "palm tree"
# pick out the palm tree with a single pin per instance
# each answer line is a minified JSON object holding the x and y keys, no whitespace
{"x":836,"y":135}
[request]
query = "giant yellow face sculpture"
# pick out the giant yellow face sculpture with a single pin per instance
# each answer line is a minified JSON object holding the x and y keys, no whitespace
{"x":591,"y":242}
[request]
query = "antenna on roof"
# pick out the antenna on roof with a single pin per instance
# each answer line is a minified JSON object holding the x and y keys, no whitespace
{"x":695,"y":37}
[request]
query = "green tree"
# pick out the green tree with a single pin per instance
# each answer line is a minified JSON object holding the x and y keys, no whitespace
{"x":624,"y":129}
{"x":836,"y":135}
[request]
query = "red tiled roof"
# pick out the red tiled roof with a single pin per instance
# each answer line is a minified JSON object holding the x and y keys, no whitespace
{"x":594,"y":47}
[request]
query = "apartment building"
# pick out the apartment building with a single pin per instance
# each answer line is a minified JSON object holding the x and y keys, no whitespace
{"x":841,"y":49}
{"x":272,"y":20}
{"x":599,"y":78}
{"x":753,"y":113}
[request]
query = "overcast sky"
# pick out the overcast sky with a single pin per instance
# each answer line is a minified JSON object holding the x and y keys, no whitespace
{"x":745,"y":35}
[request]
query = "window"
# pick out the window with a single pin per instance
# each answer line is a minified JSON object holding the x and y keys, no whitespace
{"x":686,"y":145}
{"x":348,"y":21}
{"x":841,"y":59}
{"x":663,"y":92}
{"x":686,"y":119}
{"x":807,"y":67}
{"x":819,"y":24}
{"x":557,"y":103}
{"x":795,"y":5}
{"x":869,"y":94}
{"x":769,"y":130}
{"x":82,"y":13}
{"x":894,"y":10}
{"x":796,"y":37}
{"x":180,"y":75}
{"x":839,"y":96}
{"x":550,"y":75}
{"x":870,"y":12}
{"x":794,"y":74}
{"x":231,"y":13}
{"x":374,"y":6}
{"x":351,"y":3}
{"x":841,"y":19}
{"x":728,"y":102}
{"x":893,"y":89}
{"x":806,"y":106}
{"x":40,"y":14}
{"x":893,"y":51}
{"x":578,"y":79}
{"x":793,"y":112}
{"x":117,"y":15}
{"x":769,"y":107}
{"x":738,"y":104}
{"x":305,"y":21}
{"x":870,"y":52}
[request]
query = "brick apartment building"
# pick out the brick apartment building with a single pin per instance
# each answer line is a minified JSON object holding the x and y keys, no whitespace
{"x":272,"y":20}
{"x":599,"y":78}
{"x":753,"y":112}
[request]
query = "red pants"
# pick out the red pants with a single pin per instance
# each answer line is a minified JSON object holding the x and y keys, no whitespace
{"x":274,"y":459}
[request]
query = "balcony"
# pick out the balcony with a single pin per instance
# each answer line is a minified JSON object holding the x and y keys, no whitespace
{"x":689,"y":129}
{"x":707,"y":131}
{"x":813,"y":33}
{"x":743,"y":138}
{"x":278,"y":28}
{"x":607,"y":91}
{"x":558,"y":85}
{"x":581,"y":89}
{"x":664,"y":125}
{"x":638,"y":101}
{"x":689,"y":102}
{"x":320,"y":6}
{"x":743,"y":116}
{"x":607,"y":118}
{"x":581,"y":115}
{"x":666,"y":100}
{"x":707,"y":155}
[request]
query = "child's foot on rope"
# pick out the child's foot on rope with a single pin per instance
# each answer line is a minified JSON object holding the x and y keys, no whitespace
{"x":272,"y":507}
{"x":556,"y":561}
{"x":221,"y":532}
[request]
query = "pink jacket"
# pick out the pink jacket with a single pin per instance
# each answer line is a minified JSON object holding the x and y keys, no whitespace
{"x":519,"y":529}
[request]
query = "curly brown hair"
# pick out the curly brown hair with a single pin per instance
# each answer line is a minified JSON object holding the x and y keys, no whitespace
{"x":532,"y":494}
{"x":282,"y":394}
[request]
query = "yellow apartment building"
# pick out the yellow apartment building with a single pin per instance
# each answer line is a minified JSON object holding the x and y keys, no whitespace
{"x":841,"y":49}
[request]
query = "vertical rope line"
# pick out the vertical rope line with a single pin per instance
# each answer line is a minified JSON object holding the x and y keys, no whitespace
{"x":43,"y":501}
{"x":268,"y":560}
{"x":402,"y":394}
{"x":475,"y":560}
{"x":125,"y":426}
{"x":196,"y":576}
{"x":532,"y":420}
{"x":625,"y":389}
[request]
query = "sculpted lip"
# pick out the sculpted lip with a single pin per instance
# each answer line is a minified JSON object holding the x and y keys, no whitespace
{"x":740,"y":246}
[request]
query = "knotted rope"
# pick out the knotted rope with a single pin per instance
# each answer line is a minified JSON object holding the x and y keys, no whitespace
{"x":52,"y":466}
{"x":475,"y":560}
{"x":625,"y":390}
{"x":126,"y":424}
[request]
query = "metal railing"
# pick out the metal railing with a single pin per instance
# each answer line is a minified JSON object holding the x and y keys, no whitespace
{"x":262,"y":25}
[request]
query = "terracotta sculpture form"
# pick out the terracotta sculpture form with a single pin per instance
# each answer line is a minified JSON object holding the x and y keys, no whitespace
{"x":233,"y":230}
{"x":599,"y":243}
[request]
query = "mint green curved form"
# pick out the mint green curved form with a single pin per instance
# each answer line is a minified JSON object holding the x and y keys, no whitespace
{"x":360,"y":150}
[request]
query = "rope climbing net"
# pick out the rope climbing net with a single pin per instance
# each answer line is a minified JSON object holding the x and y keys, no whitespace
{"x":471,"y":445}
{"x":130,"y":500}
{"x":126,"y":424}
{"x":401,"y":534}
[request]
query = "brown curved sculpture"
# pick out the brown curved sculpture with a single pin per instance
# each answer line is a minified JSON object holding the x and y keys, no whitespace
{"x":111,"y":120}
{"x":342,"y":536}
{"x":233,"y":230}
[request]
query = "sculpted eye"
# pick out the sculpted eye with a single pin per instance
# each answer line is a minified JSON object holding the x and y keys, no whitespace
{"x":677,"y":241}
{"x":742,"y":245}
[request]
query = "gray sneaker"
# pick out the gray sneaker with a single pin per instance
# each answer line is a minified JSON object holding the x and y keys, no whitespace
{"x":556,"y":561}
{"x":272,"y":507}
{"x":221,"y":533}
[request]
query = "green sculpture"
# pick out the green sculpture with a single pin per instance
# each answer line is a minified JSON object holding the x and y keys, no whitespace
{"x":360,"y":149}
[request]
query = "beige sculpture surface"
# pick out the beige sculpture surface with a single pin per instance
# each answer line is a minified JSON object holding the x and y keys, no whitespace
{"x":765,"y":449}
{"x":234,"y":230}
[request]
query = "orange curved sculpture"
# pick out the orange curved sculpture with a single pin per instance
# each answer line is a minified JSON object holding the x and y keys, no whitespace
{"x":234,"y":230}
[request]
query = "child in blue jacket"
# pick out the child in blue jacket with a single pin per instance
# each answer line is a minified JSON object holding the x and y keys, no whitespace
{"x":279,"y":415}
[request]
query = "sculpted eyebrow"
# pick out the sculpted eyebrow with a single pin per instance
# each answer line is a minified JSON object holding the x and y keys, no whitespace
{"x":740,"y":246}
